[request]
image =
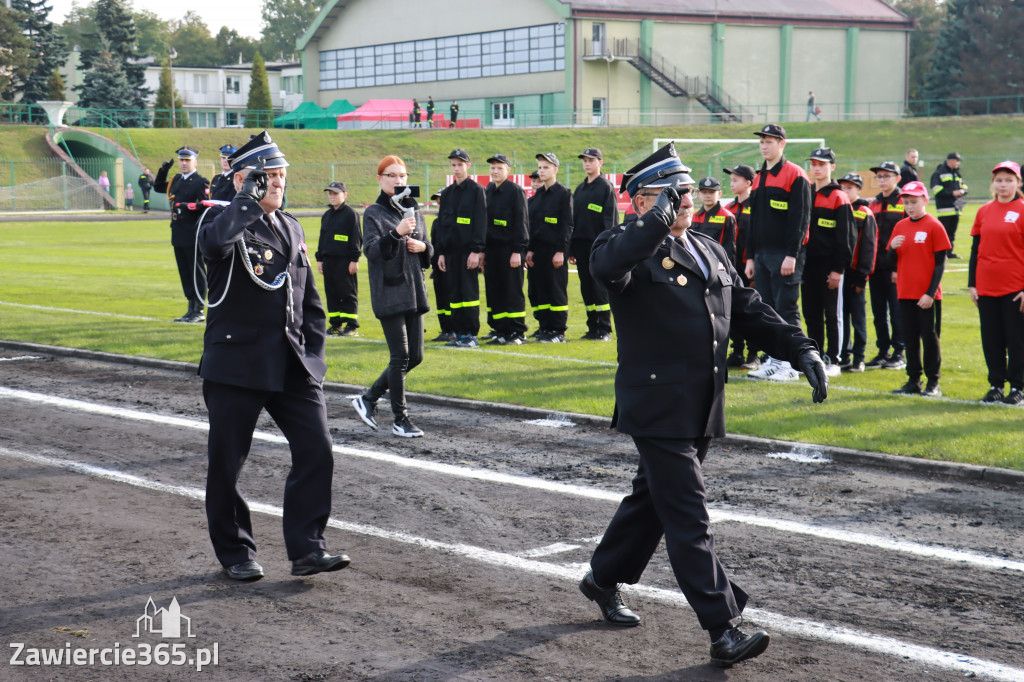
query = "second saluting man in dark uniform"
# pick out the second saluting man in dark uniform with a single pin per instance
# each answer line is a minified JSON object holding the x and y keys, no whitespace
{"x":264,"y":349}
{"x":673,"y":294}
{"x":222,"y":187}
{"x":186,"y":192}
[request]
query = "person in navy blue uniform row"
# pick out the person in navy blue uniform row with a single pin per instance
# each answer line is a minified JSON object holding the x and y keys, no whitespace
{"x":550,"y":211}
{"x":674,"y":295}
{"x":508,"y":233}
{"x":222,"y":187}
{"x":264,"y":350}
{"x":855,"y":281}
{"x":595,"y":208}
{"x":186,"y":192}
{"x":337,"y":255}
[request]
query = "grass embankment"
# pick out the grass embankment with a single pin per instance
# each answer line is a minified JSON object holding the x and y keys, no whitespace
{"x":126,"y":269}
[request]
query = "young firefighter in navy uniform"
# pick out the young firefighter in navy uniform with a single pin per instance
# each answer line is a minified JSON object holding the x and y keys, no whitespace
{"x":550,"y":230}
{"x":337,"y":255}
{"x":186,"y":192}
{"x":440,"y":285}
{"x":595,"y":208}
{"x":741,"y":180}
{"x":222,"y":187}
{"x":712,"y":220}
{"x":888,"y":209}
{"x":462,"y":226}
{"x":674,"y":295}
{"x":855,"y":281}
{"x":508,"y":233}
{"x":264,"y":349}
{"x":948,"y":187}
{"x":145,"y":183}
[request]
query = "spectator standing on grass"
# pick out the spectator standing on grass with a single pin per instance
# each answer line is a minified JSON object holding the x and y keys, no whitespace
{"x":674,"y":296}
{"x":741,"y":179}
{"x":888,"y":209}
{"x":780,"y":213}
{"x":416,"y":113}
{"x":264,"y":350}
{"x":908,"y":171}
{"x":397,"y":251}
{"x":430,"y":111}
{"x":855,"y":281}
{"x":337,"y":255}
{"x":508,"y":233}
{"x":550,"y":231}
{"x":919,"y":244}
{"x":996,"y":283}
{"x":949,"y":189}
{"x":454,"y":111}
{"x":595,"y":208}
{"x":145,"y":185}
{"x":129,"y":197}
{"x":104,"y":182}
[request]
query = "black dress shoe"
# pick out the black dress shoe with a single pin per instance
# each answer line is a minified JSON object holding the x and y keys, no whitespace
{"x":247,"y":571}
{"x":735,"y":646}
{"x":319,"y":562}
{"x":609,"y":601}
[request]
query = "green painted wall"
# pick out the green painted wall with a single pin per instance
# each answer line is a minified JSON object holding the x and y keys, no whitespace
{"x":852,"y":51}
{"x":785,"y":64}
{"x":646,"y":43}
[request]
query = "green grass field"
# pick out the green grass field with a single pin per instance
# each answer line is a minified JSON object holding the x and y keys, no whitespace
{"x":113,"y":286}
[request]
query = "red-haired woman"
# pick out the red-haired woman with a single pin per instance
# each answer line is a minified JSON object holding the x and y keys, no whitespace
{"x":397,"y":251}
{"x":996,"y":282}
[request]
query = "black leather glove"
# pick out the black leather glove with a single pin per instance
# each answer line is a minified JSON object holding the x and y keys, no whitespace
{"x":814,"y":369}
{"x":255,"y":184}
{"x":166,"y":165}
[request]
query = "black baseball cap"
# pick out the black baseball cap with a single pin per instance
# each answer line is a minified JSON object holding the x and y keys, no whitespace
{"x":460,"y":154}
{"x":549,"y":157}
{"x":772,"y":130}
{"x":535,"y":175}
{"x":853,"y":179}
{"x":500,"y":158}
{"x":709,"y":182}
{"x":746,"y":172}
{"x":336,"y":187}
{"x":823,"y":154}
{"x":591,"y":152}
{"x":887,"y":166}
{"x":953,"y":155}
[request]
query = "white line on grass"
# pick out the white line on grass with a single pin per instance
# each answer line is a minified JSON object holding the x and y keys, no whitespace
{"x":979,"y":560}
{"x":81,"y":312}
{"x":800,"y":627}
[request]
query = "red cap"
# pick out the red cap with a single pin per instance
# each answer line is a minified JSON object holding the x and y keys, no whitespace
{"x":915,"y":189}
{"x":1008,"y":165}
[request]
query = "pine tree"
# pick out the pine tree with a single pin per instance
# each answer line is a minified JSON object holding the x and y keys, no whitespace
{"x":49,"y":51}
{"x":105,"y":86}
{"x":15,"y":55}
{"x":927,"y":16}
{"x":284,"y":22}
{"x":994,"y":69}
{"x":259,"y":109}
{"x":118,"y":36}
{"x":944,"y":77}
{"x":162,"y":107}
{"x":55,"y":87}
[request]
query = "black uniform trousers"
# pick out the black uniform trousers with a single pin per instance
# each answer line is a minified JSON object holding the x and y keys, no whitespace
{"x":300,"y":413}
{"x":193,"y":287}
{"x":885,"y":310}
{"x":822,"y":308}
{"x":506,"y":303}
{"x":780,"y":292}
{"x":444,"y":311}
{"x":404,"y":334}
{"x":921,"y":328}
{"x":145,"y":200}
{"x":548,"y":288}
{"x":669,"y":500}
{"x":1002,"y":339}
{"x":463,"y":294}
{"x":341,"y":292}
{"x":855,"y":320}
{"x":950,"y":222}
{"x":595,"y":295}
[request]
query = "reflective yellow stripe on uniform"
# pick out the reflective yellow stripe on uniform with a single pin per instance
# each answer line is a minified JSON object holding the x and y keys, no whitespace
{"x":936,"y":189}
{"x":860,"y":214}
{"x":348,"y":315}
{"x":781,"y":205}
{"x":595,"y":207}
{"x":717,"y":219}
{"x":558,"y":308}
{"x":942,"y":212}
{"x":598,"y":308}
{"x":463,"y":221}
{"x":502,"y":223}
{"x":465,"y":304}
{"x":895,"y":208}
{"x":550,"y":219}
{"x":341,"y":237}
{"x":502,"y":316}
{"x":946,"y":177}
{"x":825,"y":222}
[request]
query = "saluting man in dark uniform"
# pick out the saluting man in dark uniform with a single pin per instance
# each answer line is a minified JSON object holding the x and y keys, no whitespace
{"x":264,"y":349}
{"x":222,"y":187}
{"x":186,"y":192}
{"x":595,"y":208}
{"x":673,"y":294}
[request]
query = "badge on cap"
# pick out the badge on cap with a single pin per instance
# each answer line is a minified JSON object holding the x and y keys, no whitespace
{"x":682,"y":280}
{"x":667,"y":263}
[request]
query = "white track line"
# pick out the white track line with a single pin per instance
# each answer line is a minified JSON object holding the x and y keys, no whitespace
{"x":799,"y":627}
{"x":21,"y":357}
{"x":979,"y":560}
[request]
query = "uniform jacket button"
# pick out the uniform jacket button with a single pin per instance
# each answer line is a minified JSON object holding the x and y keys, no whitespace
{"x":712,"y":316}
{"x":707,"y":292}
{"x":716,"y":370}
{"x":228,"y":336}
{"x":653,"y":377}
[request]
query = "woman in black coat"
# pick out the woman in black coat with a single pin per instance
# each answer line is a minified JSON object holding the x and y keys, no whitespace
{"x":397,"y":250}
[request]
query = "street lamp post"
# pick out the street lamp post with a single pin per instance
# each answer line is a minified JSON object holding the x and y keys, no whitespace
{"x":171,"y":56}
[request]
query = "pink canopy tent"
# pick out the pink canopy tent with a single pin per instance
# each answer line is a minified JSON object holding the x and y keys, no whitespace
{"x":380,"y":113}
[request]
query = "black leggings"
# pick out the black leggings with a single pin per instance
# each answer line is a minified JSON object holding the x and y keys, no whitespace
{"x":404,"y":334}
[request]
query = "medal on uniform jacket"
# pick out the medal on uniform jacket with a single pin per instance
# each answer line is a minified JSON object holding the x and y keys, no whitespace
{"x":682,"y":280}
{"x":268,"y":255}
{"x":258,"y":269}
{"x":667,"y":263}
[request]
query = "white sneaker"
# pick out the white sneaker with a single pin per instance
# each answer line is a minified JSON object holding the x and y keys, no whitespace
{"x":784,"y":372}
{"x":766,"y":369}
{"x":832,"y":370}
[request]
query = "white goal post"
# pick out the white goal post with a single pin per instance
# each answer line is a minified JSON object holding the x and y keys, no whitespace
{"x":659,"y":142}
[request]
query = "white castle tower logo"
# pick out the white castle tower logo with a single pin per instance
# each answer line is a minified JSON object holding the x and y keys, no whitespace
{"x":164,"y":622}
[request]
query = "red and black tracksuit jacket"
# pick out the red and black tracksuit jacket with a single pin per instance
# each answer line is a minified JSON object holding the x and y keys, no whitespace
{"x":720,"y":225}
{"x":830,"y":238}
{"x":865,"y":243}
{"x":780,"y":203}
{"x":741,"y":211}
{"x":888,"y":211}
